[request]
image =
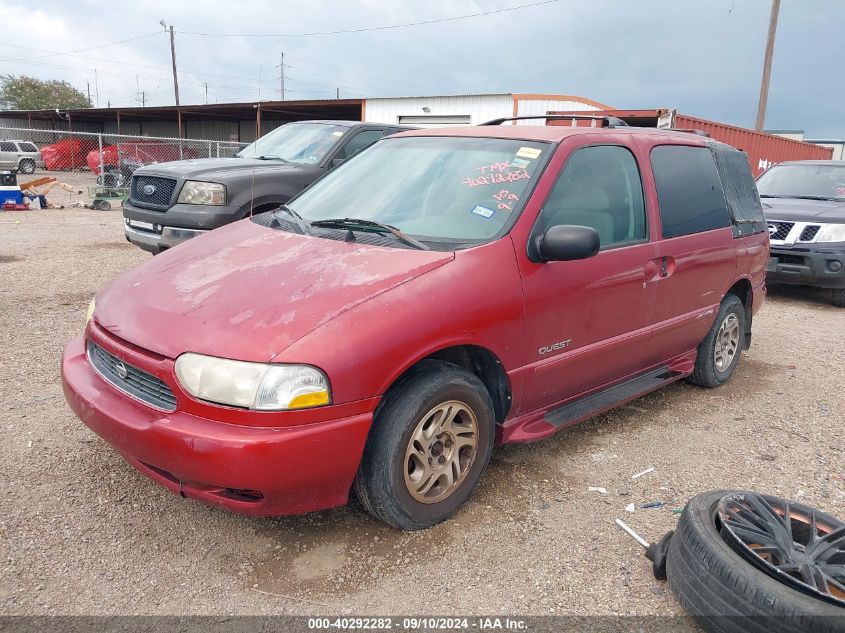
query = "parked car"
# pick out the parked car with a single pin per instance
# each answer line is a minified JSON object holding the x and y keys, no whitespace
{"x":446,"y":290}
{"x":67,"y":154}
{"x":22,"y":156}
{"x":170,"y":203}
{"x":804,"y":203}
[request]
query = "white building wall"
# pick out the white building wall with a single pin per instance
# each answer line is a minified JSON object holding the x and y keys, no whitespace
{"x":478,"y":108}
{"x":838,"y":148}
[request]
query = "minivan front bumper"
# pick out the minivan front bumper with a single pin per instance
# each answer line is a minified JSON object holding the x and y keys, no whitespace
{"x":255,"y":470}
{"x":818,"y":267}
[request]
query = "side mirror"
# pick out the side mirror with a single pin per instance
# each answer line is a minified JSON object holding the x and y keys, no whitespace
{"x":563,"y":243}
{"x":337,"y":161}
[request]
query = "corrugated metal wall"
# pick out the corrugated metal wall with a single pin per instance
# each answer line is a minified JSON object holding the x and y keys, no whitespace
{"x":764,"y":150}
{"x":533,"y":107}
{"x":479,"y":108}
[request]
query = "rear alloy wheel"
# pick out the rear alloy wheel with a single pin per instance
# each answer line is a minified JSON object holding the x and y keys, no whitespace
{"x":27,"y":166}
{"x":719,"y":352}
{"x":742,"y":562}
{"x":431,"y":440}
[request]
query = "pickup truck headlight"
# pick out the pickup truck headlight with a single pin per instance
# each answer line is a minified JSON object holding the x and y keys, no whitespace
{"x":197,"y":192}
{"x":259,"y":386}
{"x":831,"y":233}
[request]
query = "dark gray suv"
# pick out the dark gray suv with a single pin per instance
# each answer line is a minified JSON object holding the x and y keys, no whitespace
{"x":171,"y":202}
{"x":804,"y":204}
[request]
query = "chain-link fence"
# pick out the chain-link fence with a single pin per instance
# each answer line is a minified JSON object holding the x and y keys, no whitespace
{"x":87,"y":162}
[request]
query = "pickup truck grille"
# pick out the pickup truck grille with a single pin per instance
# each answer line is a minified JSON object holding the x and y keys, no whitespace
{"x":779,"y":230}
{"x":153,"y":192}
{"x":129,"y":379}
{"x":809,"y":233}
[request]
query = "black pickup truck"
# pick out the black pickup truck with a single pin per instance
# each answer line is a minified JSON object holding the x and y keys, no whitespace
{"x":171,"y":202}
{"x":804,"y":204}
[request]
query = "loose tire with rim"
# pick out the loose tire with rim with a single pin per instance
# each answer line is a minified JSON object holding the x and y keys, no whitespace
{"x":431,"y":440}
{"x":727,"y":591}
{"x":719,"y":352}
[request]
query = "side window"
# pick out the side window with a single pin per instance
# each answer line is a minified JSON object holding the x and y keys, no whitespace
{"x":360,"y":141}
{"x":599,"y":187}
{"x":27,"y":147}
{"x":689,"y":191}
{"x":5,"y":146}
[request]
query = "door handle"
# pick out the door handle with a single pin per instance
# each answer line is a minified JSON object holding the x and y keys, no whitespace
{"x":664,"y":262}
{"x":660,"y":268}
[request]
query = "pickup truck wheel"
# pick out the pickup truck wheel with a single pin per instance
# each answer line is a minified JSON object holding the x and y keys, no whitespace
{"x":27,"y":166}
{"x":431,"y":441}
{"x":839,"y":297}
{"x":742,"y":562}
{"x":719,"y":352}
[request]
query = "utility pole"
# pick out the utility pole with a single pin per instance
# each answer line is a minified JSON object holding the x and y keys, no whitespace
{"x":767,"y":66}
{"x":337,"y":93}
{"x":206,"y":92}
{"x":96,"y":88}
{"x":281,"y":76}
{"x":143,"y":99}
{"x":88,"y":85}
{"x":172,"y":59}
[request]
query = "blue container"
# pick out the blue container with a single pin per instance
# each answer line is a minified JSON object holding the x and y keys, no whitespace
{"x":11,"y":194}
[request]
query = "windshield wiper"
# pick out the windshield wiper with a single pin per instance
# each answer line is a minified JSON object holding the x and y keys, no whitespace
{"x":765,"y":195}
{"x":302,"y":224}
{"x":356,"y":224}
{"x":270,"y":157}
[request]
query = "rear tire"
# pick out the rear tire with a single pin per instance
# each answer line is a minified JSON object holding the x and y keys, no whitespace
{"x":719,"y":352}
{"x":838,"y":298}
{"x":26,"y":166}
{"x":431,"y":440}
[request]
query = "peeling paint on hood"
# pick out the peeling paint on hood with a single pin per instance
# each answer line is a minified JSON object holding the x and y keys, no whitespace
{"x":247,"y":292}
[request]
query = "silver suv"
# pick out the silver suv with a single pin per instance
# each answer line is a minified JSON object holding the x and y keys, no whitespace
{"x":21,"y":155}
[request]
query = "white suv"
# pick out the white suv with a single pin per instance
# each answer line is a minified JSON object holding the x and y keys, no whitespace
{"x":20,"y":155}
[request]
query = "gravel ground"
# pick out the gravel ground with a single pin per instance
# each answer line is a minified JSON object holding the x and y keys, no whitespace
{"x":83,"y":533}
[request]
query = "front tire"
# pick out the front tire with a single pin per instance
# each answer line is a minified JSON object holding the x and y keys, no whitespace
{"x":838,"y":298}
{"x":719,"y":352}
{"x":27,"y":166}
{"x":431,"y":440}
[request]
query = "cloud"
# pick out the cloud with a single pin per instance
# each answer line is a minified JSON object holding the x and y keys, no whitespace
{"x":703,"y":58}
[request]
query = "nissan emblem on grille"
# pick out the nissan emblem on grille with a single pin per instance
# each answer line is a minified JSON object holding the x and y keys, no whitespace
{"x":772,"y":228}
{"x":149,"y":189}
{"x":120,"y":370}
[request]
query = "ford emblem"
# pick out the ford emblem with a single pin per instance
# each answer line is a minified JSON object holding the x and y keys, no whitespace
{"x":149,"y":189}
{"x":120,"y":370}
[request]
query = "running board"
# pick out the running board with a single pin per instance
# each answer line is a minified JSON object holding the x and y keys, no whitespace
{"x":608,"y":398}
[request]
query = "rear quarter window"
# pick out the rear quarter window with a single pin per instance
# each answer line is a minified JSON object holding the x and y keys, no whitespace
{"x":27,"y":147}
{"x":689,"y":190}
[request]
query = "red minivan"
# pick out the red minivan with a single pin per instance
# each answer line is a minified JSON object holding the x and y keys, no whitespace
{"x":444,"y":291}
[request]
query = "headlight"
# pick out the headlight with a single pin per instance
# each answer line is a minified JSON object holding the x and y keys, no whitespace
{"x":90,"y":312}
{"x":196,"y":192}
{"x":831,"y":233}
{"x":264,"y":387}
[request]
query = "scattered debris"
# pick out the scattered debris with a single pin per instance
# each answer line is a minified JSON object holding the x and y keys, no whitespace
{"x":677,"y":511}
{"x":655,"y":552}
{"x":597,"y":489}
{"x":653,"y":504}
{"x":630,"y":507}
{"x":648,"y":470}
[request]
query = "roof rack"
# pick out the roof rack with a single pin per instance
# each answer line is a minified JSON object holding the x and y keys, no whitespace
{"x":607,"y":121}
{"x":687,"y":130}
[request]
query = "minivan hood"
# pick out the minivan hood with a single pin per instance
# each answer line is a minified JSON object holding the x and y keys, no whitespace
{"x":247,"y":292}
{"x":212,"y":168}
{"x":797,"y":210}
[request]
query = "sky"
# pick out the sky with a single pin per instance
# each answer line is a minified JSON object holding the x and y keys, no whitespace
{"x":703,"y":57}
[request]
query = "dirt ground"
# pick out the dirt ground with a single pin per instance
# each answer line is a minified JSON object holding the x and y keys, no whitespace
{"x":81,"y":532}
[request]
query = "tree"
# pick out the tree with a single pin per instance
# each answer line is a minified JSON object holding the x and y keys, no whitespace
{"x":29,"y":93}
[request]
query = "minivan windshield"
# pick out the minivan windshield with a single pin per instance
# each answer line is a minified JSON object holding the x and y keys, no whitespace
{"x":435,"y":188}
{"x":826,"y":182}
{"x":304,"y":143}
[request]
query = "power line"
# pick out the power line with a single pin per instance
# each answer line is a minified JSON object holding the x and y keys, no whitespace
{"x":91,"y":48}
{"x":375,"y":28}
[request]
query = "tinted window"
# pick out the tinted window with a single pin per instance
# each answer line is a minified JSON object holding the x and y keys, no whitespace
{"x":599,"y":187}
{"x":358,"y":142}
{"x":8,"y":147}
{"x":688,"y":189}
{"x":27,"y":147}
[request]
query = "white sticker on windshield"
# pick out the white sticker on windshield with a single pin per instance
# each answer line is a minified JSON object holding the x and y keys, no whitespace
{"x":484,"y":212}
{"x":337,"y":133}
{"x":529,"y":152}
